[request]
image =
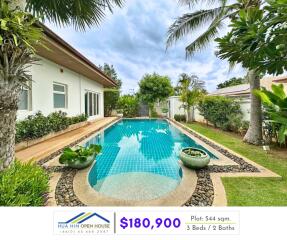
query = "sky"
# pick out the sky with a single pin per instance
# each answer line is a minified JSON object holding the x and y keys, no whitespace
{"x":133,"y":40}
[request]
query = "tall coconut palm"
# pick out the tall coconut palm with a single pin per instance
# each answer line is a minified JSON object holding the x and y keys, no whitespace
{"x":18,"y":36}
{"x":213,"y":19}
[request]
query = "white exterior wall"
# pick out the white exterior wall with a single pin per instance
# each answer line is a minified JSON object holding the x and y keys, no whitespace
{"x":41,"y":94}
{"x":175,"y":107}
{"x":245,"y":106}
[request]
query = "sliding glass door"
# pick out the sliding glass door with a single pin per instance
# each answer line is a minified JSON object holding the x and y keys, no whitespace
{"x":92,"y":103}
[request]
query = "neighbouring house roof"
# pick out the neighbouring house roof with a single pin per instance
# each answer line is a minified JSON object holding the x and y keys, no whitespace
{"x":62,"y":53}
{"x":238,"y":90}
{"x":243,"y":90}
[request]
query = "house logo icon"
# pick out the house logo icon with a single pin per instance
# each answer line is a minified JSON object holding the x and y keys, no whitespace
{"x":83,"y":223}
{"x":83,"y":217}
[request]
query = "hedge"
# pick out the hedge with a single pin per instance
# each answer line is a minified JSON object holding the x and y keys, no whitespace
{"x":38,"y":125}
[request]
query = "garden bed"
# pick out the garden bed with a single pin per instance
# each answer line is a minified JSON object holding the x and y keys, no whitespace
{"x":29,"y":143}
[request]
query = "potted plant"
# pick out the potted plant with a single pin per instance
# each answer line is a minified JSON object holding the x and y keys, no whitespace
{"x":81,"y":157}
{"x":194,"y":157}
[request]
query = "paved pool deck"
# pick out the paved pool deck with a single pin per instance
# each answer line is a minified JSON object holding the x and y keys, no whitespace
{"x":50,"y":146}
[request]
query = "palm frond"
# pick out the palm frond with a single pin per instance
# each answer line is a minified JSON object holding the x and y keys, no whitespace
{"x":204,"y":39}
{"x":190,"y":22}
{"x":191,"y":3}
{"x":79,"y":13}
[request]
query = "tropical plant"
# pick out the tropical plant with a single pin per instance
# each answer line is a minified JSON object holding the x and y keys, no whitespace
{"x":153,"y":88}
{"x":257,"y":41}
{"x":180,"y":117}
{"x":38,"y":125}
{"x":214,"y":17}
{"x":79,"y":13}
{"x":191,"y":90}
{"x":275,"y":102}
{"x":222,"y":112}
{"x":24,"y":185}
{"x":79,"y":155}
{"x":231,"y":82}
{"x":111,"y":95}
{"x":18,"y":36}
{"x":129,"y":105}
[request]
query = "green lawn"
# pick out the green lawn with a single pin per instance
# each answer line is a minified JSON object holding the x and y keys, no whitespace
{"x":251,"y":191}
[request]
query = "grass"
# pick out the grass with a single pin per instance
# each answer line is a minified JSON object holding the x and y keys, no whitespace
{"x":248,"y":191}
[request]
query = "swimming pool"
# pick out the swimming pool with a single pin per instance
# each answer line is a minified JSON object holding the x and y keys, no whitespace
{"x":139,"y":159}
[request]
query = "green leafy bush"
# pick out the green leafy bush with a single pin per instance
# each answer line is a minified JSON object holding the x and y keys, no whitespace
{"x":129,"y":105}
{"x":275,"y":106}
{"x":180,"y":117}
{"x":36,"y":126}
{"x":23,"y":185}
{"x":222,"y":112}
{"x":78,"y":119}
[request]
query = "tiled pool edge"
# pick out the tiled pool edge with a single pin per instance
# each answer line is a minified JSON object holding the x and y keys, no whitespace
{"x":245,"y":168}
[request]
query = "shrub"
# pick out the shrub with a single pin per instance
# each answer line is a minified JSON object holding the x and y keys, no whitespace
{"x":180,"y":117}
{"x":153,"y":113}
{"x":222,"y":112}
{"x":23,"y":185}
{"x":78,"y":119}
{"x":58,"y":121}
{"x":129,"y":105}
{"x":36,"y":126}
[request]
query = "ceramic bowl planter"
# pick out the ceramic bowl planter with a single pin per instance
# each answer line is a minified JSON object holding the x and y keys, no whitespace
{"x":82,"y":164}
{"x":194,"y":158}
{"x":80,"y":158}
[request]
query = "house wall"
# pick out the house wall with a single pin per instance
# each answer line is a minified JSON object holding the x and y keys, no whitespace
{"x":44,"y":74}
{"x":174,"y":106}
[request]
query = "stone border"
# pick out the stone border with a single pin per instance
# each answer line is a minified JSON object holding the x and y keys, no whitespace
{"x":213,"y":173}
{"x":208,"y":191}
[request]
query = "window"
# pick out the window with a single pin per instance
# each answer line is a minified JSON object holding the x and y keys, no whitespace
{"x":60,"y":95}
{"x":92,"y":101}
{"x":23,"y":103}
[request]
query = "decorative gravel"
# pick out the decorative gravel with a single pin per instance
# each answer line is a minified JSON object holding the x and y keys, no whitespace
{"x":202,"y":196}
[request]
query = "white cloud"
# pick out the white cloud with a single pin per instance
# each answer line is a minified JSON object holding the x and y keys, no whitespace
{"x":133,"y":40}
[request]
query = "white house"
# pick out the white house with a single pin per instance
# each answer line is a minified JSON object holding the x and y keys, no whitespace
{"x":240,"y":92}
{"x":64,"y":80}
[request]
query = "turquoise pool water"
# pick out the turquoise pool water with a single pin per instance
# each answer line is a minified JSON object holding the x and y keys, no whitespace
{"x":133,"y":152}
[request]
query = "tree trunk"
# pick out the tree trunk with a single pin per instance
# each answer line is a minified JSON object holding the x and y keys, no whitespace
{"x":8,"y":112}
{"x":254,"y":133}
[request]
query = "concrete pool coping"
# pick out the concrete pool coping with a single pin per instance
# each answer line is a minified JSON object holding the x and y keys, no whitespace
{"x":91,"y":197}
{"x":181,"y":194}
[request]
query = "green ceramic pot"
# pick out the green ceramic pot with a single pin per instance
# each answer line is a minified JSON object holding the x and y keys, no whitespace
{"x":199,"y":160}
{"x":82,"y":165}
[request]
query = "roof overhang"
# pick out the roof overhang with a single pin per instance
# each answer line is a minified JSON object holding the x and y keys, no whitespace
{"x":61,"y":53}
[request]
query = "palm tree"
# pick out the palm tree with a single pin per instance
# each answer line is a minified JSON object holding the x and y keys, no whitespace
{"x":191,"y":89}
{"x":18,"y":36}
{"x":79,"y":13}
{"x":213,"y":19}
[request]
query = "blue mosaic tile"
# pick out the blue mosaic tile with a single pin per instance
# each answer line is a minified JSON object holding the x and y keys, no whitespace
{"x":140,"y":146}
